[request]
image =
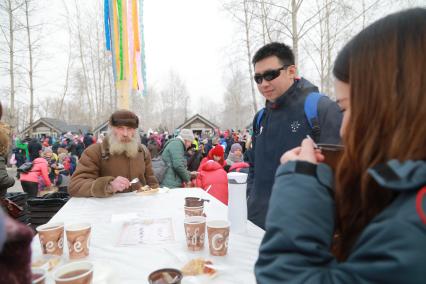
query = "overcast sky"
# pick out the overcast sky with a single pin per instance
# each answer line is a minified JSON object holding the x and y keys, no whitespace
{"x":190,"y":37}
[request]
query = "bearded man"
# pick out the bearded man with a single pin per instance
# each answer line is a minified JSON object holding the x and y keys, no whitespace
{"x":107,"y":168}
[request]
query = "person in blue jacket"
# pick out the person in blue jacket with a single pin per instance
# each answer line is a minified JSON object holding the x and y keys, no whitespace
{"x":283,"y":123}
{"x":368,"y":223}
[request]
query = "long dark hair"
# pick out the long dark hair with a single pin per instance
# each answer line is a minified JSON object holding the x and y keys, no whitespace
{"x":385,"y":66}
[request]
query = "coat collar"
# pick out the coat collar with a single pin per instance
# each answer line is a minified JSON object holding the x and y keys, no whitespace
{"x":400,"y":176}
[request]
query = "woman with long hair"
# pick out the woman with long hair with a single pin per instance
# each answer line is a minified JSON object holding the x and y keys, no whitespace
{"x":367,"y":224}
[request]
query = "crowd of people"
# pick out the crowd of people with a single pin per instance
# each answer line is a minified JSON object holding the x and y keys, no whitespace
{"x":361,"y":222}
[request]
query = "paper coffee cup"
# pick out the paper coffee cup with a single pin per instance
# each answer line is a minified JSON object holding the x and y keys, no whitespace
{"x":78,"y":239}
{"x":74,"y":273}
{"x":51,"y":238}
{"x":193,"y":211}
{"x":195,"y":231}
{"x":218,"y":233}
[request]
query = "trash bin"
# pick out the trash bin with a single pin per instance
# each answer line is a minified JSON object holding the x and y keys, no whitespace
{"x":42,"y":209}
{"x":20,"y":198}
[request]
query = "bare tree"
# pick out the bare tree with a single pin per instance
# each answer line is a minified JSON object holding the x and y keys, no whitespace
{"x":83,"y":64}
{"x":237,"y":112}
{"x":9,"y":29}
{"x":173,"y":98}
{"x":29,"y":28}
{"x":212,"y":110}
{"x":245,"y":20}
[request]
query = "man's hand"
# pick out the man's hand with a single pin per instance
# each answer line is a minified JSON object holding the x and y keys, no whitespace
{"x":119,"y":184}
{"x":193,"y":175}
{"x":305,"y":152}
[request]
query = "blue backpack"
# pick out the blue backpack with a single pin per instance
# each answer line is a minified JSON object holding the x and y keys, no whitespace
{"x":311,"y":112}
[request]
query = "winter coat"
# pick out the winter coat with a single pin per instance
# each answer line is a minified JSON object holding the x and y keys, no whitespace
{"x":300,"y":225}
{"x":174,"y":156}
{"x":212,"y":175}
{"x":193,"y":161}
{"x":97,"y":168}
{"x":5,"y":180}
{"x":15,"y":253}
{"x":239,"y":167}
{"x":40,"y":168}
{"x":283,"y":127}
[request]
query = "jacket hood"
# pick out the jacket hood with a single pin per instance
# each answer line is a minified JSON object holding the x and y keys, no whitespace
{"x":211,"y":165}
{"x":400,"y":176}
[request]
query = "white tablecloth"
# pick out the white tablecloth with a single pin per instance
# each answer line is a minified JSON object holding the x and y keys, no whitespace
{"x":132,"y":264}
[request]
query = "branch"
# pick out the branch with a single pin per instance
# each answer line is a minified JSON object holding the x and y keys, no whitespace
{"x":4,"y":35}
{"x":277,"y":6}
{"x":357,"y":17}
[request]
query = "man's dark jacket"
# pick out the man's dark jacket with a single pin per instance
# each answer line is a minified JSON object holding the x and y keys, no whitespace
{"x":283,"y":127}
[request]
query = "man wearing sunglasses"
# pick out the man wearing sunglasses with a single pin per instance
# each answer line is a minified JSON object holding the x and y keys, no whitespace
{"x":283,"y":123}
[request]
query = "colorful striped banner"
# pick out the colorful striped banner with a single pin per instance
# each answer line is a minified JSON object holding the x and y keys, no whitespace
{"x":124,"y":38}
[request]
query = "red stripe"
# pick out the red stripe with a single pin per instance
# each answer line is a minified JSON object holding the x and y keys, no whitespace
{"x":419,"y":204}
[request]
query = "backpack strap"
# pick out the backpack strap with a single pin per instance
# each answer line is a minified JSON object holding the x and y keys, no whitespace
{"x":311,"y":112}
{"x":144,"y":149}
{"x":259,"y":116}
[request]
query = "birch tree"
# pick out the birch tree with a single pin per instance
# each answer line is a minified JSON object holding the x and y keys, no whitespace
{"x":174,"y":98}
{"x":9,"y":28}
{"x":236,"y":112}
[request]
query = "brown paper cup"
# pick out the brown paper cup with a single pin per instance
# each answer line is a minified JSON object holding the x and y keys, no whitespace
{"x":218,"y":232}
{"x":78,"y":238}
{"x":195,"y":231}
{"x":194,"y":201}
{"x":74,"y":273}
{"x":332,"y":154}
{"x":51,"y":238}
{"x":194,"y":211}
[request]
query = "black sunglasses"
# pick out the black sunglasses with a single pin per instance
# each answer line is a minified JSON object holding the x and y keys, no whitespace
{"x":269,"y":75}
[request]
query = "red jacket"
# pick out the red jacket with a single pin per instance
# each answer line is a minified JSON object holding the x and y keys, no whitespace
{"x":211,"y":174}
{"x":237,"y":167}
{"x":40,"y":168}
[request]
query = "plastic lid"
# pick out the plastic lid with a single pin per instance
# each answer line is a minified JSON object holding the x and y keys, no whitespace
{"x":237,"y":178}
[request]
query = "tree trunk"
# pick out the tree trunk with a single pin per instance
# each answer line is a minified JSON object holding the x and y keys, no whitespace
{"x":295,"y":34}
{"x":11,"y":66}
{"x":83,"y":65}
{"x":30,"y":72}
{"x":247,"y":31}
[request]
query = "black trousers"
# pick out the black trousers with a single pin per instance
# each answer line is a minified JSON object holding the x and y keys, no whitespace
{"x":30,"y":187}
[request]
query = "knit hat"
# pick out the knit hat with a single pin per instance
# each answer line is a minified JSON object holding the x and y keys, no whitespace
{"x":236,"y":146}
{"x":124,"y":118}
{"x":217,"y":151}
{"x":187,"y":134}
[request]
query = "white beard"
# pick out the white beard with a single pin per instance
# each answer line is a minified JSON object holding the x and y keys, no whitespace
{"x":116,"y":147}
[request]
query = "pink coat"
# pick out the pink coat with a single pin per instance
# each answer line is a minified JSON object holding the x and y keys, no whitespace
{"x":39,"y":169}
{"x":212,"y":175}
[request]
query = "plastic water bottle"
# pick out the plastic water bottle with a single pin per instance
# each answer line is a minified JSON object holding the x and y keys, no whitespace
{"x":237,"y":201}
